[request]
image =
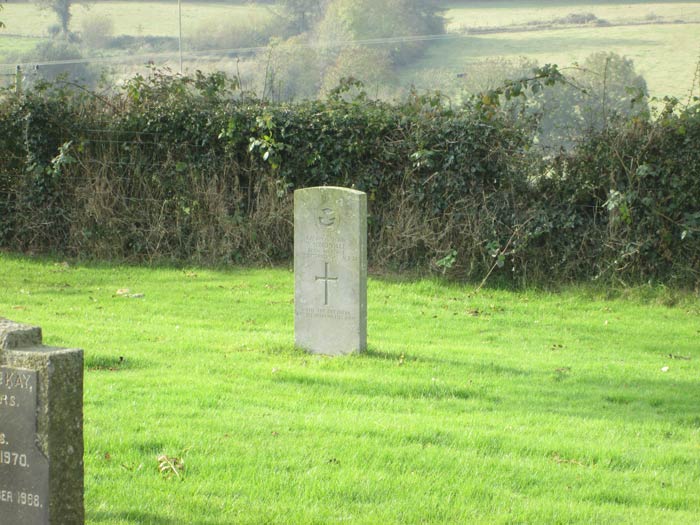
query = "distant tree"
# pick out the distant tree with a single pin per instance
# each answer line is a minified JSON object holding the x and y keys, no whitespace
{"x":334,"y":30}
{"x":370,"y":19}
{"x":62,"y":10}
{"x":603,"y":88}
{"x":302,"y":14}
{"x":96,"y":31}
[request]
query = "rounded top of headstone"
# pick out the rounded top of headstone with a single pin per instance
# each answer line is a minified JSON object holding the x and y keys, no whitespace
{"x":332,"y":188}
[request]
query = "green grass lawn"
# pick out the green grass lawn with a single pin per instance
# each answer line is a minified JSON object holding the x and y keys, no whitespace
{"x":489,"y":407}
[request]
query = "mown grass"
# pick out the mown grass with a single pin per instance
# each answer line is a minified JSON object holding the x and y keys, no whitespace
{"x":489,"y":407}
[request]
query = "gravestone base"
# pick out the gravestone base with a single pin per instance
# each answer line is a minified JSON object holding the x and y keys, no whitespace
{"x":41,"y":430}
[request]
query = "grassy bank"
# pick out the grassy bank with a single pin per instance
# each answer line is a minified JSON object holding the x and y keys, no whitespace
{"x":489,"y":407}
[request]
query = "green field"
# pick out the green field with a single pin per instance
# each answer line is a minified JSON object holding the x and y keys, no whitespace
{"x":661,"y":54}
{"x":664,"y":52}
{"x":500,"y":13}
{"x":129,"y":18}
{"x":488,"y":407}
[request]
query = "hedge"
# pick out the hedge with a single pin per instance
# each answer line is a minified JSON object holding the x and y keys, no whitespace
{"x":191,"y":169}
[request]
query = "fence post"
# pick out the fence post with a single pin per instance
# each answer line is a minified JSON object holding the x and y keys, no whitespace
{"x":18,"y":81}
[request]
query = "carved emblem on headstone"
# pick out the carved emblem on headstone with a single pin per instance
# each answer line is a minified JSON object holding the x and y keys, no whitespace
{"x":327,"y":217}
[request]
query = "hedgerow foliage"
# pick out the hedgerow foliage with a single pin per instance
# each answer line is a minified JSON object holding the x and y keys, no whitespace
{"x":191,"y":169}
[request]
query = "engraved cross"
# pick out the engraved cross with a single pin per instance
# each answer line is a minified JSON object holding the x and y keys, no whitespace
{"x":325,"y":280}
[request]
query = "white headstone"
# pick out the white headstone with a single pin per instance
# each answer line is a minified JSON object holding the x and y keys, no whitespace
{"x":330,"y":270}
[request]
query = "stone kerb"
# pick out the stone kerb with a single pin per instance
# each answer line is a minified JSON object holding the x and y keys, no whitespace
{"x":41,"y":430}
{"x":330,"y":270}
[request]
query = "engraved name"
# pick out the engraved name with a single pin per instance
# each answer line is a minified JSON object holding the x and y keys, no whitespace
{"x":329,"y":250}
{"x":16,"y":380}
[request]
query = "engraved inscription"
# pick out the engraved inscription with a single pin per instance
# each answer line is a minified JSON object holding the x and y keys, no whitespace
{"x":7,"y":457}
{"x":325,"y":313}
{"x":331,"y":251}
{"x":325,"y":278}
{"x":13,"y":379}
{"x":24,"y":470}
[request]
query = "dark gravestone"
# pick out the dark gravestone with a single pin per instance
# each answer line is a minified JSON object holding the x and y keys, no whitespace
{"x":24,"y":491}
{"x":41,"y":432}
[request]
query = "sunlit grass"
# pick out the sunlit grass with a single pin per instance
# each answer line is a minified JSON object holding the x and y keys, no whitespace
{"x":13,"y":46}
{"x":129,"y":18}
{"x":489,"y":407}
{"x":666,"y":55}
{"x":498,"y":13}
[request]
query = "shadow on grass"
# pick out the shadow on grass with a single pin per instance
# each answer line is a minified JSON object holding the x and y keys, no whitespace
{"x":595,"y":397}
{"x":563,"y":391}
{"x":364,"y":388}
{"x":473,"y":367}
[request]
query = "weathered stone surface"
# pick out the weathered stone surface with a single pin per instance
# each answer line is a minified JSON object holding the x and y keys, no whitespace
{"x":330,"y":270}
{"x":41,"y":418}
{"x":16,"y":335}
